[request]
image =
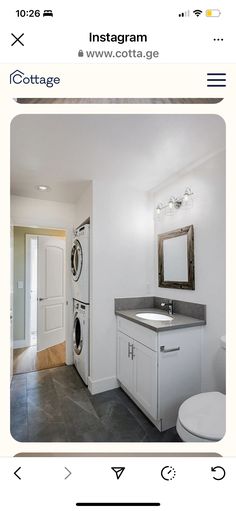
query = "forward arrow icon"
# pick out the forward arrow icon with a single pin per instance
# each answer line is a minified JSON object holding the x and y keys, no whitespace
{"x":68,"y":473}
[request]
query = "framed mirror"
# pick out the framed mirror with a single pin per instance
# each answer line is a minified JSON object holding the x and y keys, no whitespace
{"x":176,"y":258}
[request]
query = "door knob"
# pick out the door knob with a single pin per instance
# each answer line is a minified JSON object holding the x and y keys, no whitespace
{"x":41,"y":299}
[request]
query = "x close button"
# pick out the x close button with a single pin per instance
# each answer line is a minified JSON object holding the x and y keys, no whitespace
{"x":17,"y":39}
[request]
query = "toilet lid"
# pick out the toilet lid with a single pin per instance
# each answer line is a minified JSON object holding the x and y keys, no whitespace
{"x":203,"y":415}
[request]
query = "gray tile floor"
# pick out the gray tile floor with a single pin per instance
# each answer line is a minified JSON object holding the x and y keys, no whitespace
{"x":55,"y":406}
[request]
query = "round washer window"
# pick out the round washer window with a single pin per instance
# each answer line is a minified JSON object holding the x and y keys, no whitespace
{"x":77,"y":336}
{"x":76,"y":260}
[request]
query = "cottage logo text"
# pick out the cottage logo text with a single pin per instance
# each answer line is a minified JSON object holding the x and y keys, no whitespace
{"x":20,"y":78}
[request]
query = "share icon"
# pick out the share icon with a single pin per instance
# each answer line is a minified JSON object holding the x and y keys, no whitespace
{"x":118,"y":471}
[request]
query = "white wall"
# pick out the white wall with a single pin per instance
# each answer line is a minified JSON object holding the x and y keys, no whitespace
{"x":11,"y":296}
{"x":83,"y":207}
{"x":42,"y":213}
{"x":122,"y":243}
{"x":207,"y":181}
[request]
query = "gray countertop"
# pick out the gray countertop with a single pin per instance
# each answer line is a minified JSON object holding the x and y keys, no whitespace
{"x":179,"y":321}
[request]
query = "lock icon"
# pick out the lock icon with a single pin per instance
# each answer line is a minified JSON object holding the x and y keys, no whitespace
{"x":80,"y":53}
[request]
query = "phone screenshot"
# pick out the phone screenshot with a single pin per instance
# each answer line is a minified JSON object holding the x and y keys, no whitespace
{"x":117,"y":352}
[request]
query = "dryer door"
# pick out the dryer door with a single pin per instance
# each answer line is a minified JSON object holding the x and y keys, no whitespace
{"x":76,"y":260}
{"x":77,"y":336}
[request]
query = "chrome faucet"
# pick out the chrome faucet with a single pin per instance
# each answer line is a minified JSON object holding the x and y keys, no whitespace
{"x":169,"y":306}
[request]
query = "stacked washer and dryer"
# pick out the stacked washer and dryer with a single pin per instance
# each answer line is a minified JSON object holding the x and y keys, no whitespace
{"x":80,"y":282}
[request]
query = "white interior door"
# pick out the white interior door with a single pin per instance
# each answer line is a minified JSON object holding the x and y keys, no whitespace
{"x":51,"y":291}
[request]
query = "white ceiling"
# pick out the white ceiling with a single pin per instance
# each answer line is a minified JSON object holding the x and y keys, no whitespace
{"x":67,"y":151}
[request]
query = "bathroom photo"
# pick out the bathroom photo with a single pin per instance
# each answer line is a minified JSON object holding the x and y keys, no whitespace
{"x":118,"y":277}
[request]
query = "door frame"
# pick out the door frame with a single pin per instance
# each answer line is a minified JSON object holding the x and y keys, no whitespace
{"x":28,"y":238}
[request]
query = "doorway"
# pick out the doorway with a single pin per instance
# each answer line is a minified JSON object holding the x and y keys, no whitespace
{"x":41,"y":293}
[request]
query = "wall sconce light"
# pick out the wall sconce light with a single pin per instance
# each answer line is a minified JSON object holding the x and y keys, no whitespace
{"x":175,"y":203}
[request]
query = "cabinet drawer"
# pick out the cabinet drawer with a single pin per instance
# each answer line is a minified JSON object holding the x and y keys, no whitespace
{"x":138,"y":332}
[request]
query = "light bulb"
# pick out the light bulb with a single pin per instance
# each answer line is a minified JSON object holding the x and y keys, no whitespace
{"x":187,"y":193}
{"x":170,"y":209}
{"x":187,"y":198}
{"x":42,"y":188}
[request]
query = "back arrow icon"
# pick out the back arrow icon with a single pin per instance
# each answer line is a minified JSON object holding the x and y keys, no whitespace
{"x":68,"y":474}
{"x":223,"y":473}
{"x":15,"y":473}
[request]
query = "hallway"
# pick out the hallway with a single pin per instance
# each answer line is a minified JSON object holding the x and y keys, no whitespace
{"x":26,"y":360}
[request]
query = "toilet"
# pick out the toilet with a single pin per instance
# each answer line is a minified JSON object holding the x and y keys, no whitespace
{"x":201,"y":418}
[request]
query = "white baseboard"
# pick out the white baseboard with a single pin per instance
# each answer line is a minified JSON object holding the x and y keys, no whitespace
{"x":102,"y":385}
{"x":22,"y":343}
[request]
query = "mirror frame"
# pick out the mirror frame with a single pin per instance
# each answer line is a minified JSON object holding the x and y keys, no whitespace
{"x":190,"y":283}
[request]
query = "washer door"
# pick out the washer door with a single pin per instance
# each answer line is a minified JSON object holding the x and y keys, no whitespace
{"x":76,"y":260}
{"x":77,"y":336}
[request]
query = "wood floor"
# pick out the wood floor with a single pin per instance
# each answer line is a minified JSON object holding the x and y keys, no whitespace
{"x":26,"y":360}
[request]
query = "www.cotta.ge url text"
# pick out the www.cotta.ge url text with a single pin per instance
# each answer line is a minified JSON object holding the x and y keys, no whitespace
{"x":119,"y":54}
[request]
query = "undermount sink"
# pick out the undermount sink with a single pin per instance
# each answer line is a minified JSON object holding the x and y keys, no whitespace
{"x":153,"y":316}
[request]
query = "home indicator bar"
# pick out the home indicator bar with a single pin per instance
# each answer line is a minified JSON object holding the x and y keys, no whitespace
{"x":118,"y":504}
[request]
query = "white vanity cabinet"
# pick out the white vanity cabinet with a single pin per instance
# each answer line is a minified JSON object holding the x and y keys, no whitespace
{"x":137,"y":372}
{"x":159,"y":370}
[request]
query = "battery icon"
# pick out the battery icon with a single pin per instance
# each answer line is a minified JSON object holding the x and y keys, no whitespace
{"x":213,"y":13}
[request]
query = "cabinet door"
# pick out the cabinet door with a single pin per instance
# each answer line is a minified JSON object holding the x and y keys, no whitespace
{"x":124,"y":361}
{"x":145,"y":378}
{"x":179,"y":371}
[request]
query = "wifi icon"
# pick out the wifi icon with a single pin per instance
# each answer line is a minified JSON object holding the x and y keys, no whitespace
{"x":197,"y":12}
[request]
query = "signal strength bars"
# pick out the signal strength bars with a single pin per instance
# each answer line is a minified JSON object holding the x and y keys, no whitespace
{"x":184,"y":14}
